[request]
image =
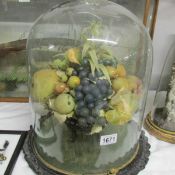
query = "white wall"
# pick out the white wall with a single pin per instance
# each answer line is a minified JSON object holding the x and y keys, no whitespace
{"x":164,"y":31}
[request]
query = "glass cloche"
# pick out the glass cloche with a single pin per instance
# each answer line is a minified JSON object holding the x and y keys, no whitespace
{"x":90,"y":65}
{"x":163,"y":112}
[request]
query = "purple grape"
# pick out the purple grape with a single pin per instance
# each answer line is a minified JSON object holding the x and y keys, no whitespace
{"x":89,"y":98}
{"x":84,"y":112}
{"x":86,"y":89}
{"x":83,"y":74}
{"x":80,"y":68}
{"x":96,"y":93}
{"x":79,"y":88}
{"x":79,"y":95}
{"x":103,"y":89}
{"x":85,"y":82}
{"x":91,"y":105}
{"x":98,"y":73}
{"x":85,"y":62}
{"x":74,"y":73}
{"x":82,"y":122}
{"x":80,"y":104}
{"x":95,"y":112}
{"x":101,"y":104}
{"x":90,"y":120}
{"x":110,"y":91}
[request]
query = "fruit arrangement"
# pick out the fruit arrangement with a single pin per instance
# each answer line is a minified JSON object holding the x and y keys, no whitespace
{"x":86,"y":87}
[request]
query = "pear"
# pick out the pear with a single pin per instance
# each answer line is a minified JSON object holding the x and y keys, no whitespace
{"x":44,"y":82}
{"x":119,"y":83}
{"x":64,"y":104}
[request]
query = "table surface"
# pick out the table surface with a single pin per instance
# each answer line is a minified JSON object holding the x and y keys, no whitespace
{"x":18,"y":116}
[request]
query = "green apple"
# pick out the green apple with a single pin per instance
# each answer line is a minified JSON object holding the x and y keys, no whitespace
{"x":64,"y":104}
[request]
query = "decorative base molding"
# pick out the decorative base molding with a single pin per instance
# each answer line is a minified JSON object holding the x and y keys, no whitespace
{"x":159,"y":133}
{"x":133,"y":168}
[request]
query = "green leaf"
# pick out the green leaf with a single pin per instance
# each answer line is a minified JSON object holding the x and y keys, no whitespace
{"x":94,"y":58}
{"x":106,"y":56}
{"x":105,"y":72}
{"x":106,"y":50}
{"x":85,"y":49}
{"x":92,"y":67}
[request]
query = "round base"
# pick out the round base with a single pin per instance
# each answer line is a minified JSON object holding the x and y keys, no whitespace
{"x":133,"y":168}
{"x":161,"y":134}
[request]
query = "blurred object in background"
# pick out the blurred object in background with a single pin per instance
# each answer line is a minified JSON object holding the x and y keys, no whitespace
{"x":16,"y":19}
{"x":161,"y":120}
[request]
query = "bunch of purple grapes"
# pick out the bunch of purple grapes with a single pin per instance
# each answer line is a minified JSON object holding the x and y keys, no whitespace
{"x":91,"y":97}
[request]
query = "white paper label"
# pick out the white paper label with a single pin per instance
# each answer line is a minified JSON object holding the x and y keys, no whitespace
{"x":108,"y":139}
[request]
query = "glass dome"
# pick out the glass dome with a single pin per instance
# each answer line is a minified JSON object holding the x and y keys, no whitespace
{"x":163,"y":114}
{"x":90,"y":65}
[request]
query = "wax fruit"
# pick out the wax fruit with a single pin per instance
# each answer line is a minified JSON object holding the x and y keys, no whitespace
{"x":125,"y":100}
{"x":64,"y":104}
{"x":69,"y":71}
{"x":60,"y":87}
{"x":73,"y":55}
{"x":73,"y":81}
{"x":62,"y":76}
{"x":133,"y":82}
{"x":117,"y":117}
{"x":119,"y":83}
{"x":120,"y":70}
{"x":111,"y":71}
{"x":59,"y":63}
{"x":44,"y":82}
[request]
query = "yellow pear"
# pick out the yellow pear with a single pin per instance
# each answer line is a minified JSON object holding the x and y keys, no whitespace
{"x":119,"y":83}
{"x":43,"y":85}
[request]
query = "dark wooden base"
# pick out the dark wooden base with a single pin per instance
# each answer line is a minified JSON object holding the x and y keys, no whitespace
{"x":161,"y":134}
{"x":133,"y":168}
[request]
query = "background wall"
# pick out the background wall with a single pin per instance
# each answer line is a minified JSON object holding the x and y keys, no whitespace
{"x":163,"y":37}
{"x":164,"y":31}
